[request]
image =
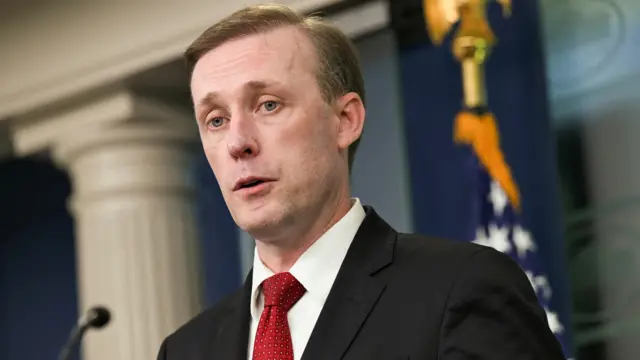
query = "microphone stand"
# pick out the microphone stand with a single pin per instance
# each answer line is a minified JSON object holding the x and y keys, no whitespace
{"x":97,"y":317}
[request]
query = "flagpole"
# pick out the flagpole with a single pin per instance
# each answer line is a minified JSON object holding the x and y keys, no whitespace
{"x":468,"y":55}
{"x":471,"y":45}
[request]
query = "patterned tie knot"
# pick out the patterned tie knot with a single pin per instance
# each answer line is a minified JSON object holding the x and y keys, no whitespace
{"x":282,"y":290}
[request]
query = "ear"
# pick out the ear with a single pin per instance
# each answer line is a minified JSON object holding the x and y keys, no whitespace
{"x":351,"y":113}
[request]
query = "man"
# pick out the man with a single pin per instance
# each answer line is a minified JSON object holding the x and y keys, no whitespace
{"x":279,"y":102}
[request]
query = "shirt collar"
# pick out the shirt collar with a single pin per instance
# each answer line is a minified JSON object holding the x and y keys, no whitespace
{"x":318,"y":266}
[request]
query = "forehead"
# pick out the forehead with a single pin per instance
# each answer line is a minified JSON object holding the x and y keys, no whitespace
{"x":284,"y":54}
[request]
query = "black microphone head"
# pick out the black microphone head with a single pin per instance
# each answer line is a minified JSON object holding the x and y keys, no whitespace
{"x":98,"y":316}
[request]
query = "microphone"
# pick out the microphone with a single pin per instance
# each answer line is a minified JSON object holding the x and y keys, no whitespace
{"x":97,"y":317}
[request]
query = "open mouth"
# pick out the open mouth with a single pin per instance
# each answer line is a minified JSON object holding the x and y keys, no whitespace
{"x":251,"y":184}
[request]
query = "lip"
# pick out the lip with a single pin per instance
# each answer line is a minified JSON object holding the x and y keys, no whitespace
{"x":254,"y":191}
{"x":244,"y":180}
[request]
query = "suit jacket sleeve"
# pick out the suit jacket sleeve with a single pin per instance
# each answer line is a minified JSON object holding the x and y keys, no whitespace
{"x":493,"y":313}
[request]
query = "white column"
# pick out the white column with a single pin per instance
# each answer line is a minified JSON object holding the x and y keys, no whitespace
{"x":137,"y":245}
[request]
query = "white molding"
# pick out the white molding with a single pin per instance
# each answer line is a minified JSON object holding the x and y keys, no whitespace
{"x":63,"y":50}
{"x":44,"y":129}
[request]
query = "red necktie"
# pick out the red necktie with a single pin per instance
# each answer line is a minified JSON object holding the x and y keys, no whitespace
{"x":273,"y":338}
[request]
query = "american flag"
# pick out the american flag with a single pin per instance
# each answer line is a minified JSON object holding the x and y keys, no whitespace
{"x":501,"y":227}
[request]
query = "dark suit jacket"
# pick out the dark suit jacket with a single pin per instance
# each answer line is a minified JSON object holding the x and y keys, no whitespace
{"x":398,"y":296}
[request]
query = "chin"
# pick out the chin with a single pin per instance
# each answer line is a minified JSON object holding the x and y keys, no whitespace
{"x":265,"y":221}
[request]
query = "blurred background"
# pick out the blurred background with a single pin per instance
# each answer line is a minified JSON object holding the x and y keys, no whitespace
{"x":106,"y":198}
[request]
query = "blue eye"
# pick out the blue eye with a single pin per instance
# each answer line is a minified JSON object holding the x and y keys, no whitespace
{"x":215,"y":122}
{"x":270,"y":105}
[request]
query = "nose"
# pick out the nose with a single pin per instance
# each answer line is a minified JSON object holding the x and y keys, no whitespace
{"x":241,"y":138}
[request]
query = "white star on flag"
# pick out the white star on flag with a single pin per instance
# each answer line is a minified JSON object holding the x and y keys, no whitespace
{"x":481,"y":237}
{"x":498,"y":198}
{"x":554,"y":323}
{"x":523,"y":242}
{"x":542,"y":285}
{"x":498,"y":238}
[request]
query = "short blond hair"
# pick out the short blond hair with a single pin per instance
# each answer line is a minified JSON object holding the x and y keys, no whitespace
{"x":338,"y":69}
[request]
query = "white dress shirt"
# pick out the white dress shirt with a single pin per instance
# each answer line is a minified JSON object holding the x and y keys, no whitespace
{"x":316,"y":270}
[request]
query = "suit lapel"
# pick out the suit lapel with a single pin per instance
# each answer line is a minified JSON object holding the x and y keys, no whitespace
{"x":355,"y":291}
{"x":232,"y":339}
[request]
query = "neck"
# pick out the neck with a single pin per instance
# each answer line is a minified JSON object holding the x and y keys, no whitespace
{"x":279,"y":256}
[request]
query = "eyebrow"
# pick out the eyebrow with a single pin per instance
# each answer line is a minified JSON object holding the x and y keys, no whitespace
{"x":209,"y":100}
{"x":212,"y":99}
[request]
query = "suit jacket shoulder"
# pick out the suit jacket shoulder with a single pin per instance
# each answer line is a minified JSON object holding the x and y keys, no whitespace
{"x":434,"y":261}
{"x":422,"y":250}
{"x":194,"y":339}
{"x":449,"y":299}
{"x":489,"y":306}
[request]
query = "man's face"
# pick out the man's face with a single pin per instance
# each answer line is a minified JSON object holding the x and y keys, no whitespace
{"x":270,"y":138}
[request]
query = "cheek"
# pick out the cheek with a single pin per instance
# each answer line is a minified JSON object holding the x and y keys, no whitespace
{"x":307,"y":145}
{"x":214,"y":158}
{"x":310,"y":130}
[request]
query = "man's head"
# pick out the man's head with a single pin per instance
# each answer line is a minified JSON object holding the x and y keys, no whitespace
{"x":278,"y":98}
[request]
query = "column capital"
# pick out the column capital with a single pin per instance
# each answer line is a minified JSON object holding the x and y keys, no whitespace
{"x":69,"y":124}
{"x":139,"y":131}
{"x":120,"y":147}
